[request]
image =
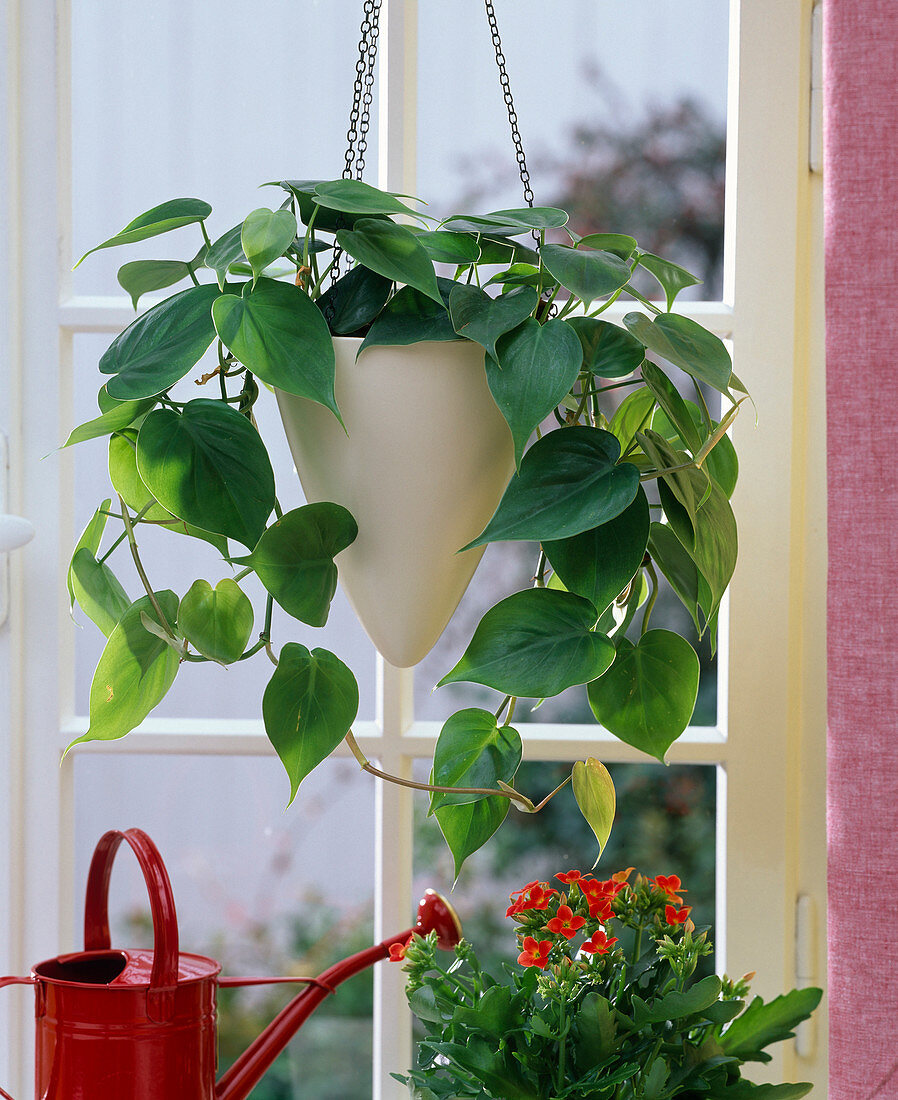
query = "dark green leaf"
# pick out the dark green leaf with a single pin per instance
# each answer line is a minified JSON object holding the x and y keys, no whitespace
{"x":588,"y":275}
{"x":508,"y":223}
{"x":308,"y":708}
{"x":522,"y":274}
{"x":676,"y":1005}
{"x":536,"y":367}
{"x":216,"y":621}
{"x":608,"y":351}
{"x":294,"y":558}
{"x":503,"y":250}
{"x":277,"y":331}
{"x":97,"y":590}
{"x":600,"y":563}
{"x":355,"y":197}
{"x":648,"y":695}
{"x":740,"y":1089}
{"x":722,"y":464}
{"x":473,"y":751}
{"x":479,"y":317}
{"x":161,"y":346}
{"x":672,"y":277}
{"x":595,"y":1030}
{"x":450,"y":248}
{"x":631,"y":415}
{"x":495,"y":1013}
{"x":91,"y":537}
{"x":467,"y":828}
{"x":144,"y":276}
{"x":121,"y":414}
{"x":208,"y":466}
{"x":669,"y":399}
{"x":534,"y":644}
{"x":687,"y":345}
{"x":265,"y":235}
{"x":681,"y":572}
{"x":568,"y":483}
{"x":328,"y":221}
{"x":595,"y":797}
{"x":620,"y":244}
{"x":392,"y":251}
{"x":408,"y":318}
{"x":227,"y":250}
{"x":689,"y":485}
{"x":762,"y":1024}
{"x":354,"y":301}
{"x":161,"y":219}
{"x":135,"y":670}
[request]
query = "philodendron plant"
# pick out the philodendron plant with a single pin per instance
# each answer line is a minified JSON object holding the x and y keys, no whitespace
{"x":265,"y":294}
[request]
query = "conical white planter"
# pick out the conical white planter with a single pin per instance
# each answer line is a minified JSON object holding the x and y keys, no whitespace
{"x":423,"y":468}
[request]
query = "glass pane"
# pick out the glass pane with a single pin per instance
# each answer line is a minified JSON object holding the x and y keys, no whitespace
{"x":201,"y":690}
{"x":665,"y":824}
{"x":209,"y":99}
{"x":263,"y":891}
{"x":621,"y":107}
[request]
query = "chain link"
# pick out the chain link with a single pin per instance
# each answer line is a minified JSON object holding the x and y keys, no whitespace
{"x":509,"y":104}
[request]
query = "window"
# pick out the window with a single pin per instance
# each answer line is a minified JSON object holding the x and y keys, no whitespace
{"x":112,"y":106}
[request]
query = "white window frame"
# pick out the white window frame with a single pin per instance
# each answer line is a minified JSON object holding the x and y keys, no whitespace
{"x":769,"y":741}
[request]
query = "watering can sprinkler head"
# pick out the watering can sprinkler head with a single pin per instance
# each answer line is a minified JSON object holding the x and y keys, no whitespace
{"x":435,"y":914}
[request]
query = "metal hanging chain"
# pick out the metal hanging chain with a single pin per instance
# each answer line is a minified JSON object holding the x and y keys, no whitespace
{"x":509,"y":103}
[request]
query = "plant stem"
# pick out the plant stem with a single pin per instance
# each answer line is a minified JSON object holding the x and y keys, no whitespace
{"x":502,"y":706}
{"x":668,"y":470}
{"x":243,"y":573}
{"x":126,"y":519}
{"x":143,"y":511}
{"x":552,"y":794}
{"x":650,"y":603}
{"x":637,"y":948}
{"x":205,"y":234}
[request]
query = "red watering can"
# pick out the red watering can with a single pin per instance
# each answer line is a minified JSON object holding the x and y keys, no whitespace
{"x":140,"y":1025}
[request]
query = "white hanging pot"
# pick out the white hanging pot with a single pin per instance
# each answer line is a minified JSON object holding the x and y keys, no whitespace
{"x":423,"y":468}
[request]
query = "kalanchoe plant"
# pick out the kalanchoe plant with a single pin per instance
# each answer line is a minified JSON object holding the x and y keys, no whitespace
{"x":603,"y":1003}
{"x":263,"y":301}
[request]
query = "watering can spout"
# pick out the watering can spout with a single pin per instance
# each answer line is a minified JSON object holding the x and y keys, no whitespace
{"x":435,"y":914}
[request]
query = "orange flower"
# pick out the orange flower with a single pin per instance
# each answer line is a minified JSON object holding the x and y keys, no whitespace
{"x":676,"y":916}
{"x":671,"y":885}
{"x":598,"y":943}
{"x":397,"y":952}
{"x":565,"y":923}
{"x":601,"y":910}
{"x":568,"y":877}
{"x":535,"y":954}
{"x":622,"y":876}
{"x":535,"y":895}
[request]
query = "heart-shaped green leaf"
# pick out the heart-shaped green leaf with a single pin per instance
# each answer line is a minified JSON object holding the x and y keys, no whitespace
{"x":408,"y":318}
{"x":648,"y":695}
{"x":294,"y":558}
{"x":392,"y":251}
{"x":278,"y":332}
{"x":225,"y":251}
{"x":144,"y":276}
{"x":621,"y":244}
{"x":120,"y":414}
{"x":687,"y":345}
{"x":161,"y":219}
{"x":534,"y":644}
{"x":354,"y":301}
{"x":91,"y":537}
{"x":594,"y":794}
{"x":569,"y":482}
{"x":208,"y":466}
{"x":355,"y":197}
{"x":473,"y":751}
{"x":508,"y":223}
{"x":608,"y":351}
{"x":536,"y":367}
{"x":631,"y":415}
{"x":598,"y":564}
{"x":483,"y":319}
{"x":97,"y":590}
{"x":450,"y":248}
{"x":669,"y":399}
{"x":265,"y":235}
{"x":721,"y":464}
{"x":161,"y":346}
{"x":681,"y":572}
{"x":587,"y":274}
{"x":135,"y":670}
{"x":689,"y":485}
{"x":216,"y":621}
{"x":308,"y":708}
{"x":672,"y":277}
{"x":467,"y":828}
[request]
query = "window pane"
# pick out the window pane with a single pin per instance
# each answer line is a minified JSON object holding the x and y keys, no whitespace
{"x":621,"y":107}
{"x":200,"y":690}
{"x":208,"y":99}
{"x":264,"y":892}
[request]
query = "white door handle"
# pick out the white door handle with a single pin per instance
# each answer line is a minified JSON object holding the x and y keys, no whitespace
{"x":14,"y":532}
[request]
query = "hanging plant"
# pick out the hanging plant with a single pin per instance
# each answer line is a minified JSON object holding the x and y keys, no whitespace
{"x":197,"y":465}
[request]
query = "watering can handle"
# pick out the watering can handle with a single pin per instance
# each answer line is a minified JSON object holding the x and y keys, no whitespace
{"x":164,"y":975}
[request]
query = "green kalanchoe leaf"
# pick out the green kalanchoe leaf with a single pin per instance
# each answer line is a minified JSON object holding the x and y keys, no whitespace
{"x":216,"y":621}
{"x":473,"y":751}
{"x":762,"y":1024}
{"x":534,"y":644}
{"x":308,"y":708}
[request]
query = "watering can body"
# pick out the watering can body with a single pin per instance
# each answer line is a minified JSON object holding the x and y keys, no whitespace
{"x":141,"y":1025}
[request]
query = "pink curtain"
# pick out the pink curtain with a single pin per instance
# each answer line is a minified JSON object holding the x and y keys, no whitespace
{"x":861,"y":187}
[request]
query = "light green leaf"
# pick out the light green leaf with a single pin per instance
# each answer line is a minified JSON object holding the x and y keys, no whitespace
{"x":534,"y":644}
{"x":677,"y":1005}
{"x":762,"y":1024}
{"x":722,"y":464}
{"x":120,"y":415}
{"x":450,"y":248}
{"x":279,"y":333}
{"x":265,"y":235}
{"x":135,"y":671}
{"x":608,"y":351}
{"x":161,"y":346}
{"x":308,"y":708}
{"x":598,"y":564}
{"x":632,"y":414}
{"x":91,"y":537}
{"x":681,"y":572}
{"x":225,"y":251}
{"x":161,"y":219}
{"x":588,"y":275}
{"x":479,"y":317}
{"x":621,"y":244}
{"x":208,"y":466}
{"x":594,"y":794}
{"x":535,"y":368}
{"x":687,"y":345}
{"x":467,"y":828}
{"x":97,"y":590}
{"x":473,"y":751}
{"x":648,"y":695}
{"x":294,"y":558}
{"x":508,"y":223}
{"x":144,"y":276}
{"x":672,"y":277}
{"x":392,"y":251}
{"x":355,"y":197}
{"x":569,"y":482}
{"x":216,"y":621}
